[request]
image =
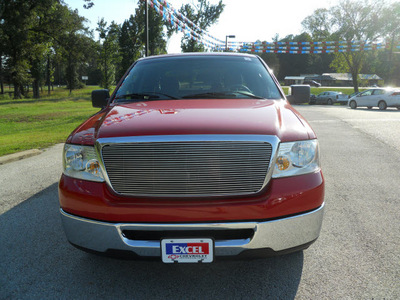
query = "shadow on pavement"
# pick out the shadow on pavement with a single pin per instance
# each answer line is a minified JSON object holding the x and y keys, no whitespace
{"x":38,"y":262}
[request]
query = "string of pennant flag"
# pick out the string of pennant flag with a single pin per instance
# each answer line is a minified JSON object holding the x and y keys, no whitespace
{"x":169,"y":7}
{"x":184,"y":25}
{"x":314,"y":48}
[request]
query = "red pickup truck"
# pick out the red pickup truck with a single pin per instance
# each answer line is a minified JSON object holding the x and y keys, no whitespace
{"x":193,"y":157}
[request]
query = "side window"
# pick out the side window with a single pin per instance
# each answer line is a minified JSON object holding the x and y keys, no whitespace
{"x":366,"y":93}
{"x":378,"y":92}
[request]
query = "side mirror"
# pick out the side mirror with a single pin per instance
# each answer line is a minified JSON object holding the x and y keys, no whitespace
{"x":100,"y":98}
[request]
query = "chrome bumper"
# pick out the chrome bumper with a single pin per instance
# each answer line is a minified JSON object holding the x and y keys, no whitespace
{"x":277,"y":235}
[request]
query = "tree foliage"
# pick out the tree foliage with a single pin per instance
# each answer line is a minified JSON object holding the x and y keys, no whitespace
{"x":350,"y":20}
{"x":391,"y":31}
{"x":32,"y":31}
{"x":203,"y":15}
{"x":109,"y":52}
{"x":130,"y":42}
{"x":318,"y":25}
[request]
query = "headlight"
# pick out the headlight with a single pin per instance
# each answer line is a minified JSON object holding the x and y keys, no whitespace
{"x":81,"y":162}
{"x":297,"y":158}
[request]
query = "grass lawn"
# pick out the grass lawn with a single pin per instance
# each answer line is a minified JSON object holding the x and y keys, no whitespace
{"x":37,"y":123}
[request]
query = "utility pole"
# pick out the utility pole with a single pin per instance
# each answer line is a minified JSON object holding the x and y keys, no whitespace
{"x":147,"y":28}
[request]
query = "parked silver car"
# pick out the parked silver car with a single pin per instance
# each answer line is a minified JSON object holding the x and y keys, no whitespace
{"x":330,"y":98}
{"x":377,"y":97}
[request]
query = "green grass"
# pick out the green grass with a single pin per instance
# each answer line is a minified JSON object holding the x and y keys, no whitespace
{"x":348,"y":91}
{"x":37,"y":123}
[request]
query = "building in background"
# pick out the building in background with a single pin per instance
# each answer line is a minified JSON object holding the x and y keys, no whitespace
{"x":336,"y":79}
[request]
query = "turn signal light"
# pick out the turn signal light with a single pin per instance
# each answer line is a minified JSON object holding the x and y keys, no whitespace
{"x":282,"y":163}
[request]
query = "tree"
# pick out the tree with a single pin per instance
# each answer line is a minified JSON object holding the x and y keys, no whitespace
{"x":318,"y":25}
{"x":89,"y":4}
{"x":271,"y":59}
{"x":391,"y":32}
{"x":40,"y":40}
{"x":15,"y":23}
{"x":30,"y":30}
{"x":290,"y":64}
{"x":130,"y":43}
{"x":203,"y":15}
{"x":360,"y":21}
{"x":2,"y":51}
{"x":157,"y":29}
{"x":109,"y":55}
{"x":75,"y":44}
{"x":350,"y":20}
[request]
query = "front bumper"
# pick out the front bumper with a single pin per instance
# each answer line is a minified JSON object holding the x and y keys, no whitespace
{"x":276,"y":235}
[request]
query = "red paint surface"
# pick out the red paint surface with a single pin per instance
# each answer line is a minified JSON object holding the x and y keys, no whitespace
{"x":282,"y":197}
{"x":209,"y":116}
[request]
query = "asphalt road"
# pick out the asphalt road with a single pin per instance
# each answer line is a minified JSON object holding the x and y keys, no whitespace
{"x":356,"y":257}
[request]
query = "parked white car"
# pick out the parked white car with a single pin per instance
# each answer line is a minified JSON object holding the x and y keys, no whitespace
{"x":377,"y":97}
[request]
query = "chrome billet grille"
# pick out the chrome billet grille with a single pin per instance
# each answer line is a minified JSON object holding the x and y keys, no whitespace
{"x":193,"y":168}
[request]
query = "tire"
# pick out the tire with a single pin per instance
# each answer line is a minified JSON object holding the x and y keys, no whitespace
{"x":382,"y":105}
{"x":369,"y":107}
{"x":330,"y":102}
{"x":353,"y":104}
{"x":398,"y":107}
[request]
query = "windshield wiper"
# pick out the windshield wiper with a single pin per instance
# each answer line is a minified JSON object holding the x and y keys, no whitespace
{"x":221,"y":95}
{"x":144,"y":96}
{"x":250,"y":95}
{"x":210,"y":95}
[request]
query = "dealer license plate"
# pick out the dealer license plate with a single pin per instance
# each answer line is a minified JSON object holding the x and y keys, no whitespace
{"x":187,"y":250}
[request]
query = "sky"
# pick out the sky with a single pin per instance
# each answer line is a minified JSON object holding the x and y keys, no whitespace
{"x":249,"y":20}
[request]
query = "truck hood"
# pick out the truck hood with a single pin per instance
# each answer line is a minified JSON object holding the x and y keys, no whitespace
{"x":209,"y":116}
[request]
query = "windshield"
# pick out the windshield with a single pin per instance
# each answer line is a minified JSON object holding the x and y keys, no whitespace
{"x":198,"y":77}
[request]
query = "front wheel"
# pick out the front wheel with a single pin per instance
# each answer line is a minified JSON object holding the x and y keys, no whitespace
{"x":382,"y":105}
{"x":330,"y":102}
{"x":353,"y":104}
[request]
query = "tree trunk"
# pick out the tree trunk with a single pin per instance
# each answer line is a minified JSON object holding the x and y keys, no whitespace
{"x":1,"y":74}
{"x":35,"y":89}
{"x":17,"y":90}
{"x":23,"y":92}
{"x":48,"y":74}
{"x":71,"y":74}
{"x":354,"y":76}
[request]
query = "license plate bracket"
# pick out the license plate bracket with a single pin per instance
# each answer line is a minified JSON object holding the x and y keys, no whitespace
{"x":187,"y":250}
